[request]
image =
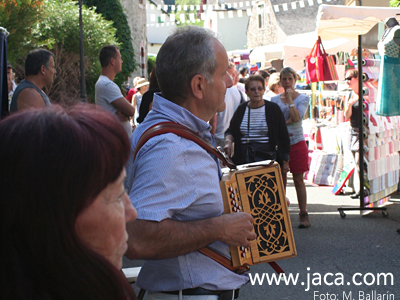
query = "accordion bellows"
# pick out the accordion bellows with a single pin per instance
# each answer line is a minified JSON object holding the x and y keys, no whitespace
{"x":258,"y":190}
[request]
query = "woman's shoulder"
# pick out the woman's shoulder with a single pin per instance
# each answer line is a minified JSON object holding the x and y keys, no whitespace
{"x":302,"y":98}
{"x":276,"y":98}
{"x":242,"y":105}
{"x":271,"y":105}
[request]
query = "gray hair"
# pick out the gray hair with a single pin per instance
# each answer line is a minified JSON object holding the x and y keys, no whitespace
{"x":187,"y":52}
{"x":288,"y":71}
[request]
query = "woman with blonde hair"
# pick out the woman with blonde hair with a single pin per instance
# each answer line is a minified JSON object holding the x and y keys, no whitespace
{"x":274,"y":87}
{"x":294,"y":106}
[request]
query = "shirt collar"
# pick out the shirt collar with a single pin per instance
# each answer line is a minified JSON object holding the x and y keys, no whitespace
{"x":179,"y":114}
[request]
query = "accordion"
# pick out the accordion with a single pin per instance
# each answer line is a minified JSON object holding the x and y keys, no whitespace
{"x":258,"y":190}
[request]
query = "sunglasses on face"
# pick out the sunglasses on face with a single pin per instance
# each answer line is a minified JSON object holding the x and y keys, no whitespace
{"x":349,"y":78}
{"x":256,"y":89}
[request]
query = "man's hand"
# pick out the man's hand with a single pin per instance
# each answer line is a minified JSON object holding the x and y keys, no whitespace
{"x":237,"y":229}
{"x":229,"y":146}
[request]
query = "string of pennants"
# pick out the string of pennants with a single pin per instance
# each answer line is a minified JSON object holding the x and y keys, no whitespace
{"x":241,"y":6}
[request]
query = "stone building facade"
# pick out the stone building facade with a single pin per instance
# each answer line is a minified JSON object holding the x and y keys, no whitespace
{"x":268,"y":26}
{"x":263,"y":27}
{"x":135,"y":11}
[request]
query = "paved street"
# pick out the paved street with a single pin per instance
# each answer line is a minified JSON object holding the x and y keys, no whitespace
{"x":366,"y":245}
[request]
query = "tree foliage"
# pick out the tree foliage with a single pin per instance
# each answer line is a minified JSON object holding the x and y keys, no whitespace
{"x":19,"y":17}
{"x":112,"y":10}
{"x":394,"y":3}
{"x":59,"y":30}
{"x":151,"y":62}
{"x":54,"y":25}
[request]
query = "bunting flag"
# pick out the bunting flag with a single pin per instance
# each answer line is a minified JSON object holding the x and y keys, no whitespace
{"x":239,"y":4}
{"x":238,"y":7}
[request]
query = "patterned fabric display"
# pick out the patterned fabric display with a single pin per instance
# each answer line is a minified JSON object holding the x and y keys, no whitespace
{"x":388,"y":100}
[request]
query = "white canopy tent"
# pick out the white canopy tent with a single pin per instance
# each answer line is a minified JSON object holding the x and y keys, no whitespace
{"x":296,"y":48}
{"x":266,"y":53}
{"x":334,"y":21}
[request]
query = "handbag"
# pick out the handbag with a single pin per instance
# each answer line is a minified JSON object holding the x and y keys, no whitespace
{"x":255,"y":151}
{"x":319,"y":65}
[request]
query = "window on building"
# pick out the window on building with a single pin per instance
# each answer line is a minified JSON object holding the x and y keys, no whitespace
{"x":260,"y":13}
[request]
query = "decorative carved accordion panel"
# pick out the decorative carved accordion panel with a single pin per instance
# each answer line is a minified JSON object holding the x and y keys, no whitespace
{"x":258,"y":190}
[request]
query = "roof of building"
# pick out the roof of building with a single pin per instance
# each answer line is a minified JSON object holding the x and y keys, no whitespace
{"x":299,"y":20}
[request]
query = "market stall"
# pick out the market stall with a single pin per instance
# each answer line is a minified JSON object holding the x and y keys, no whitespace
{"x":298,"y":46}
{"x":379,"y":156}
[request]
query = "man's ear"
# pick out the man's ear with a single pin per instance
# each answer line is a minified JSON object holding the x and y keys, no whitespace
{"x":198,"y":86}
{"x":43,"y":69}
{"x":112,"y":61}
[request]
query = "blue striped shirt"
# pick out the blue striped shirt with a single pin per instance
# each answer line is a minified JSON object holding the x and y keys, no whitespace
{"x":174,"y":178}
{"x":257,"y":130}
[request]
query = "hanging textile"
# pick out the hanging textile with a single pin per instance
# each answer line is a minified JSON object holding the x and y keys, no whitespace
{"x":371,"y":63}
{"x":388,"y":98}
{"x":370,"y":73}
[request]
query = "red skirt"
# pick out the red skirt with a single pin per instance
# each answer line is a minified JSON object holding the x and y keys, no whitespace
{"x":298,"y":162}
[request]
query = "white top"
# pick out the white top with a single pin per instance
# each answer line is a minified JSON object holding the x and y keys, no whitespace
{"x":232,"y":101}
{"x":295,"y":129}
{"x":269,"y":95}
{"x":107,"y":91}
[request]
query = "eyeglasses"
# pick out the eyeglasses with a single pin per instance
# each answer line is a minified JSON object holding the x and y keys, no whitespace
{"x":256,"y":89}
{"x":349,"y":78}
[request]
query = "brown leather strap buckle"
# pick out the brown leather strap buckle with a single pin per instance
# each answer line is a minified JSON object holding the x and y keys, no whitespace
{"x":222,"y":260}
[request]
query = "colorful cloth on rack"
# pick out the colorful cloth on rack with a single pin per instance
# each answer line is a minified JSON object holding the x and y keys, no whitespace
{"x":388,"y":100}
{"x":371,"y":63}
{"x":370,"y":73}
{"x":372,"y":87}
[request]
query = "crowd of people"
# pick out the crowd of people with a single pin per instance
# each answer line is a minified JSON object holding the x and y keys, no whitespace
{"x":79,"y":193}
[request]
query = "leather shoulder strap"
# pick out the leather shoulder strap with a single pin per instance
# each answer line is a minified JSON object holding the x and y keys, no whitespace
{"x":222,"y":260}
{"x":180,"y":130}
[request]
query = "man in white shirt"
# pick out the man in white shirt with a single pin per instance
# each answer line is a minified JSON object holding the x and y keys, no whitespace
{"x":107,"y":93}
{"x":233,"y":97}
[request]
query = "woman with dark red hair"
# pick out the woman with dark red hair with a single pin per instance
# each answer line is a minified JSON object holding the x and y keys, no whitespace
{"x":63,"y":206}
